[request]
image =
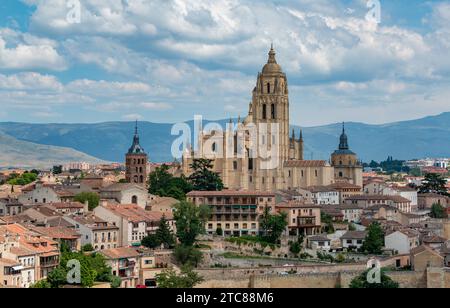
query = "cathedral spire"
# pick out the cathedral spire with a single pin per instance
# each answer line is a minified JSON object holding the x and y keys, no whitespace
{"x":272,"y":55}
{"x":301,"y":135}
{"x":136,"y":146}
{"x":343,"y":145}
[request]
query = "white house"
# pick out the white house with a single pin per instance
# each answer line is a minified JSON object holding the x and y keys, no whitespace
{"x":134,"y":222}
{"x":353,"y":239}
{"x":324,"y":195}
{"x":319,"y":242}
{"x":125,"y":193}
{"x":402,"y":241}
{"x":45,"y":193}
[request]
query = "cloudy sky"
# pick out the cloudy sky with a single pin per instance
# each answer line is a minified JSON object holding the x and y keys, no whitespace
{"x":166,"y":60}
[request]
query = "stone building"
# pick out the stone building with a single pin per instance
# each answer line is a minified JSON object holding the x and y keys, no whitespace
{"x":259,"y":154}
{"x":345,"y":162}
{"x":136,"y":162}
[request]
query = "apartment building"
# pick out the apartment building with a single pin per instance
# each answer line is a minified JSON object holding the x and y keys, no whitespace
{"x":303,"y":219}
{"x":134,"y":222}
{"x":234,"y":212}
{"x":95,"y":231}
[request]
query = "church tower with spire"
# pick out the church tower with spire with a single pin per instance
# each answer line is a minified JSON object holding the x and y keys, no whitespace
{"x":136,"y":162}
{"x":345,"y":162}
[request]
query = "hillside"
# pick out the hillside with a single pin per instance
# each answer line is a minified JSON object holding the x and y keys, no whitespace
{"x":17,"y":153}
{"x":109,"y":141}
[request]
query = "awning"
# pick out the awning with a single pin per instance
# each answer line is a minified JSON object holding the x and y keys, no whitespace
{"x":18,"y":268}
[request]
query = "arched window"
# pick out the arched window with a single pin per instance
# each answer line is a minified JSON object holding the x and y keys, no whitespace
{"x":341,"y":174}
{"x":142,"y":179}
{"x":273,"y":111}
{"x":264,"y":112}
{"x":134,"y":200}
{"x":268,"y":88}
{"x":214,"y":147}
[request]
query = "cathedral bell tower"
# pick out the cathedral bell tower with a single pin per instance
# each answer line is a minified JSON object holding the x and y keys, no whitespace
{"x":136,"y":162}
{"x":270,"y":104}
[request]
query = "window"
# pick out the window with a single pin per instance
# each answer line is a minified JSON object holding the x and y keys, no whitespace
{"x":268,"y":88}
{"x":214,"y":147}
{"x":235,"y":165}
{"x":134,"y":200}
{"x":264,"y":112}
{"x":273,"y":111}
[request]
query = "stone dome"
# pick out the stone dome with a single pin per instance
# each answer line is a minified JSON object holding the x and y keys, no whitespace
{"x":272,"y":67}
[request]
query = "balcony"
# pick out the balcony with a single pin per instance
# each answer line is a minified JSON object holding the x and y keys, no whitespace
{"x":307,"y":222}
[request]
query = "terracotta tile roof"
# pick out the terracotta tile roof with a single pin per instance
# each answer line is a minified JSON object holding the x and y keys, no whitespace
{"x":305,"y":163}
{"x":57,"y":232}
{"x":319,"y":238}
{"x":316,"y":189}
{"x":343,"y":185}
{"x":9,"y":262}
{"x":22,"y":252}
{"x":31,"y":240}
{"x":120,"y":253}
{"x":297,"y":205}
{"x":117,"y":187}
{"x":230,"y":193}
{"x":433,"y":239}
{"x":67,"y":205}
{"x":134,"y":213}
{"x":417,"y":250}
{"x":355,"y":235}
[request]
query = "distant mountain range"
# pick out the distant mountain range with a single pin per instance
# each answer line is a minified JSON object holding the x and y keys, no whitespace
{"x":24,"y":154}
{"x":426,"y":137}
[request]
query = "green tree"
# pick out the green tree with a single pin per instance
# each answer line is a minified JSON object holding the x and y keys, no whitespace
{"x":374,"y":241}
{"x":190,"y":222}
{"x":272,"y":225}
{"x":87,"y":248}
{"x":203,"y":178}
{"x":434,"y":183}
{"x":361,"y":282}
{"x":57,"y":169}
{"x":116,"y":282}
{"x":57,"y":277}
{"x":295,"y":248}
{"x":164,"y":233}
{"x":438,"y":211}
{"x":41,"y":284}
{"x":219,"y":231}
{"x":92,"y":198}
{"x":187,"y":279}
{"x":24,"y":179}
{"x":187,"y":255}
{"x":164,"y":184}
{"x":151,"y":241}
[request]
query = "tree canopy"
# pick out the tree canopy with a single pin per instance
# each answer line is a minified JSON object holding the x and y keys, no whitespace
{"x":272,"y":225}
{"x":169,"y":278}
{"x":434,"y":183}
{"x":92,"y":198}
{"x":190,"y":221}
{"x":374,"y":242}
{"x":438,"y":211}
{"x":164,"y":184}
{"x":203,"y":178}
{"x":24,"y":179}
{"x":361,"y":282}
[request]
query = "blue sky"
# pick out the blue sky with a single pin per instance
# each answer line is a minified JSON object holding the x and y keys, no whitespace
{"x":164,"y":61}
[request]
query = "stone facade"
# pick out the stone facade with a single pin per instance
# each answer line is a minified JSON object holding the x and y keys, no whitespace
{"x":259,"y":154}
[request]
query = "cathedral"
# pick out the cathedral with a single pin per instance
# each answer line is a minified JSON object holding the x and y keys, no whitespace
{"x":259,"y":153}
